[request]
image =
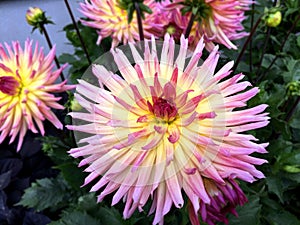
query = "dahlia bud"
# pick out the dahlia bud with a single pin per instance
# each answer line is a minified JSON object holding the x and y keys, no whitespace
{"x":36,"y":17}
{"x":293,"y":88}
{"x":171,"y":29}
{"x":74,"y":105}
{"x":273,"y":18}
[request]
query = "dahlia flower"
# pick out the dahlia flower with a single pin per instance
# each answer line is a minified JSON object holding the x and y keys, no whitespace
{"x":178,"y":24}
{"x":220,"y":23}
{"x":111,"y":20}
{"x":168,"y":126}
{"x":223,"y":199}
{"x":26,"y":80}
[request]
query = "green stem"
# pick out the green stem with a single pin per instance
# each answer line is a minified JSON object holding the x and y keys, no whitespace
{"x":250,"y":44}
{"x":280,"y":49}
{"x":44,"y":31}
{"x":139,"y":20}
{"x":264,"y":49}
{"x":292,"y":110}
{"x":78,"y":32}
{"x":190,"y":25}
{"x":245,"y":45}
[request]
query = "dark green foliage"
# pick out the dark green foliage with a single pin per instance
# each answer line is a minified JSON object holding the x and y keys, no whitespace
{"x":249,"y":214}
{"x":47,"y":193}
{"x":78,"y":60}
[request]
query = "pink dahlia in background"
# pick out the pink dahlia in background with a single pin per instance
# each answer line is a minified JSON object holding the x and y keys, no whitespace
{"x":26,"y":82}
{"x":178,"y":24}
{"x":221,"y":21}
{"x":169,"y":126}
{"x":111,"y":21}
{"x":223,"y":199}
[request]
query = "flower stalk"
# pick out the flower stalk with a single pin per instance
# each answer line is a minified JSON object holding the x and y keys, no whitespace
{"x":37,"y":19}
{"x":280,"y":49}
{"x":292,"y":110}
{"x":250,"y":44}
{"x":139,"y":20}
{"x":264,"y":49}
{"x":78,"y":32}
{"x":44,"y":31}
{"x":190,"y":25}
{"x":245,"y":45}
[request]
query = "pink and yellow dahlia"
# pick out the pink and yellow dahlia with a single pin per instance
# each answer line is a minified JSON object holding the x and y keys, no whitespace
{"x":111,"y":21}
{"x":26,"y":83}
{"x":178,"y":24}
{"x":169,"y":126}
{"x":221,"y":21}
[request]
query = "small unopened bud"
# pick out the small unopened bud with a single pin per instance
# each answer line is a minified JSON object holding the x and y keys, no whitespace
{"x":293,"y":88}
{"x":273,"y":19}
{"x":171,"y":29}
{"x":9,"y":85}
{"x":35,"y":15}
{"x":75,"y":106}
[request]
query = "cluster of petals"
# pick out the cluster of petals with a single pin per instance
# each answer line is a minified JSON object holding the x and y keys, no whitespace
{"x":223,"y":199}
{"x":111,"y":21}
{"x":26,"y":83}
{"x":169,"y":126}
{"x":222,"y":25}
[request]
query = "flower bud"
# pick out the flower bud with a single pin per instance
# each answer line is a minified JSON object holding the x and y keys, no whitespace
{"x":273,"y":19}
{"x":171,"y":30}
{"x":293,"y":88}
{"x":34,"y":16}
{"x":74,"y":105}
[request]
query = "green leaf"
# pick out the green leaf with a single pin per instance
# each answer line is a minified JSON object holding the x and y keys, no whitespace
{"x":249,"y":214}
{"x":276,"y":215}
{"x":72,"y":174}
{"x":293,"y":73}
{"x":77,"y":218}
{"x":110,"y":216}
{"x":55,"y":149}
{"x":106,"y":215}
{"x":145,"y":8}
{"x":292,"y":168}
{"x":298,"y":41}
{"x":275,"y":186}
{"x":130,"y":11}
{"x":67,"y":58}
{"x":46,"y":193}
{"x":268,"y":58}
{"x":295,"y":121}
{"x":194,"y":10}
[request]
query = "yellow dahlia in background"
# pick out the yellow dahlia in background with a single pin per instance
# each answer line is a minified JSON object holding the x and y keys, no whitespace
{"x":26,"y":83}
{"x":111,"y":21}
{"x":221,"y":21}
{"x":169,"y":126}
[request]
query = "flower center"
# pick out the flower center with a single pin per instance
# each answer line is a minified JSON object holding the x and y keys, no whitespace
{"x":164,"y":110}
{"x":9,"y":85}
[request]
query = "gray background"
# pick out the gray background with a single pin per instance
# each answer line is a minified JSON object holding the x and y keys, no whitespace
{"x":13,"y":25}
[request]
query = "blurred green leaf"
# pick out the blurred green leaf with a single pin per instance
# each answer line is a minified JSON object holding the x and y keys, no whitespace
{"x":249,"y":214}
{"x":46,"y":193}
{"x":77,"y":218}
{"x":275,"y":186}
{"x":72,"y":174}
